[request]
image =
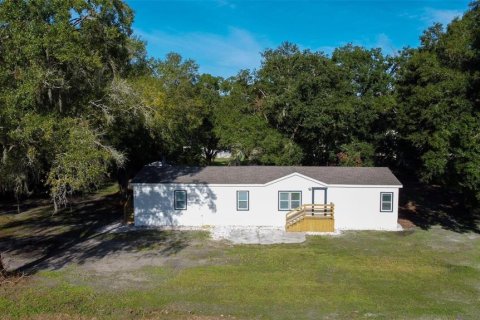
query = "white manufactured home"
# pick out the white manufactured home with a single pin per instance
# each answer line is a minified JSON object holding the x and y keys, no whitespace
{"x":298,"y":198}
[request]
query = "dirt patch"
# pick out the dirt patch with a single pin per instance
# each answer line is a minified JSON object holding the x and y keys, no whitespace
{"x":30,"y":239}
{"x":130,"y":260}
{"x":89,"y":241}
{"x":406,"y":224}
{"x":127,"y":251}
{"x":133,"y":259}
{"x":8,"y":279}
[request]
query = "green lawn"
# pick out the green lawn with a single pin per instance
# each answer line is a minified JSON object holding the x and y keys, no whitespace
{"x":417,"y":274}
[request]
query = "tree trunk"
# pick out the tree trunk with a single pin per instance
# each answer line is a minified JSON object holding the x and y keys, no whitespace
{"x":122,"y":179}
{"x":2,"y":267}
{"x":126,"y":210}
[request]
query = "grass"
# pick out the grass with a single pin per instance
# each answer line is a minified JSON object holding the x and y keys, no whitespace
{"x":221,"y":161}
{"x":416,"y":274}
{"x":423,"y":274}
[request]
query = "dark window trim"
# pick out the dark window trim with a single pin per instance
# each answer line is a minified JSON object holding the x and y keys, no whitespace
{"x":381,"y":197}
{"x":319,"y":188}
{"x":175,"y":199}
{"x":248,"y":200}
{"x":289,"y":201}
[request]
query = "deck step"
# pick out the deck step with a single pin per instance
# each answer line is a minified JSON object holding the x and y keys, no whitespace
{"x":311,"y":218}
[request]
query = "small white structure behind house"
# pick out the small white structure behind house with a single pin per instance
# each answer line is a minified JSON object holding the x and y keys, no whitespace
{"x":364,"y":198}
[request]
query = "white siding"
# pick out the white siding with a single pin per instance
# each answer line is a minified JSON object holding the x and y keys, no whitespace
{"x":355,"y":207}
{"x":359,"y":208}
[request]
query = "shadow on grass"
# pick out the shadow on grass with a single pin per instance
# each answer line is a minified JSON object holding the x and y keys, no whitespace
{"x":152,"y":243}
{"x":46,"y":241}
{"x":9,"y":206}
{"x":429,"y":205}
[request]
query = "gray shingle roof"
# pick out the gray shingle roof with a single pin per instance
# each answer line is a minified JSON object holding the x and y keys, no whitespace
{"x":265,"y":174}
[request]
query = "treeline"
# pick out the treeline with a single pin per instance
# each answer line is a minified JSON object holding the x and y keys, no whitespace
{"x":80,"y":101}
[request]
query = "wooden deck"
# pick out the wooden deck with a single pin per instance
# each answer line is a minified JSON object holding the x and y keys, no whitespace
{"x":311,"y":218}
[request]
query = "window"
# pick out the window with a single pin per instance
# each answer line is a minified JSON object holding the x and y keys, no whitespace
{"x":243,"y":199}
{"x":386,"y":201}
{"x":180,"y":199}
{"x":288,"y":200}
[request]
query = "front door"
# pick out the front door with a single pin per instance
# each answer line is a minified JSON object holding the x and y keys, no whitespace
{"x":319,"y":195}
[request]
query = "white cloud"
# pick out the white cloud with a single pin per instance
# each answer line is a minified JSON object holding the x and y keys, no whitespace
{"x":438,"y":15}
{"x":222,"y":55}
{"x":431,"y":15}
{"x":226,"y":3}
{"x":381,"y":40}
{"x":385,"y":43}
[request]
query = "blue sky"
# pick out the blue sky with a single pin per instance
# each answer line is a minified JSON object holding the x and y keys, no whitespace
{"x":224,"y":36}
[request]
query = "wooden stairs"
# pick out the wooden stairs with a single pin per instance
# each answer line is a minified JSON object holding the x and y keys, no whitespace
{"x":311,"y":218}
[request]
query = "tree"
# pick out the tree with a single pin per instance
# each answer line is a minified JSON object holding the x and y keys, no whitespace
{"x":58,"y":63}
{"x":439,"y":118}
{"x":2,"y":267}
{"x":209,"y":88}
{"x":325,"y":105}
{"x":301,"y":95}
{"x":184,"y":121}
{"x":245,"y":132}
{"x":370,"y":75}
{"x":356,"y":154}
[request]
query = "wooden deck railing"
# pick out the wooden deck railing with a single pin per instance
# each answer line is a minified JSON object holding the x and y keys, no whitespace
{"x":325,"y":211}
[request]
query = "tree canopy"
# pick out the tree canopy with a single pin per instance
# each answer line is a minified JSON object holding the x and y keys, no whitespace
{"x":439,"y":114}
{"x":81,"y":102}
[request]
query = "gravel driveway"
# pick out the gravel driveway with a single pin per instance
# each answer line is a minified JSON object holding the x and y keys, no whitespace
{"x":256,"y":235}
